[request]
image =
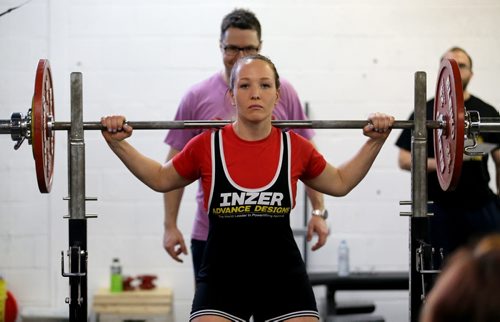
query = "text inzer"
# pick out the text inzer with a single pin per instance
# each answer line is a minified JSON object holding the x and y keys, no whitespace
{"x":251,"y":198}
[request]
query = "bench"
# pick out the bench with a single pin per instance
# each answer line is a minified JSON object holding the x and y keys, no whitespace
{"x":358,"y":281}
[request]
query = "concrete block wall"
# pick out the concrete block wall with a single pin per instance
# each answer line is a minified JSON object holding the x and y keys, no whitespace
{"x":346,"y":58}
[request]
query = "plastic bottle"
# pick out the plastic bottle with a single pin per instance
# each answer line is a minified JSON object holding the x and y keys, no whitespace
{"x":343,"y":258}
{"x":116,"y":276}
{"x":3,"y":298}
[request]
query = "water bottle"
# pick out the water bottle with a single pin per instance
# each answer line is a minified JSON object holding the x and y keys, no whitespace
{"x":3,"y":298}
{"x":116,"y":276}
{"x":343,"y":259}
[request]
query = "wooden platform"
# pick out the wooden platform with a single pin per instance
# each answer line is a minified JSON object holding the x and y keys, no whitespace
{"x":138,"y":305}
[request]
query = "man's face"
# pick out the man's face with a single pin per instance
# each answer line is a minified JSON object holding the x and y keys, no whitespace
{"x":237,"y":43}
{"x":464,"y":65}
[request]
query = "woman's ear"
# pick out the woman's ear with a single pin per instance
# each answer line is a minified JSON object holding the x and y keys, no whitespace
{"x":231,"y":96}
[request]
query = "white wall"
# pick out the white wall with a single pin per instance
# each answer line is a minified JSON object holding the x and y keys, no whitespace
{"x":346,"y":57}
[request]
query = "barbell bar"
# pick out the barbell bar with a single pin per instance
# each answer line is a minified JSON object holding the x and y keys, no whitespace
{"x":450,"y":124}
{"x":7,"y":126}
{"x":312,"y":124}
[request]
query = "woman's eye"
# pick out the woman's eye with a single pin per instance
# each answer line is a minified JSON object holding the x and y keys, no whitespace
{"x":265,"y":85}
{"x":243,"y":86}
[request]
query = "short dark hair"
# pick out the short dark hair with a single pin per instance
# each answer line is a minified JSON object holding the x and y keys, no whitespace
{"x":241,"y":19}
{"x":244,"y":59}
{"x":459,"y":49}
{"x":474,"y":290}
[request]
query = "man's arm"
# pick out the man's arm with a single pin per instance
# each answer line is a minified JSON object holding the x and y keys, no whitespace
{"x":404,"y":161}
{"x":316,"y":224}
{"x":173,"y":241}
{"x":495,"y":155}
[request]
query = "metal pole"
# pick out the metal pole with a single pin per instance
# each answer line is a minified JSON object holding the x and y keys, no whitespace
{"x":419,"y":150}
{"x":5,"y":126}
{"x":489,"y":127}
{"x":418,"y":230}
{"x":78,"y":301}
{"x":305,"y":218}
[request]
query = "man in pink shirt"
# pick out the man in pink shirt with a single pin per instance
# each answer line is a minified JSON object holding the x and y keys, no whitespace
{"x":209,"y":100}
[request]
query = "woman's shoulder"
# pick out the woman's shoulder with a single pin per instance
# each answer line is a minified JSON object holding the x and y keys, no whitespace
{"x":203,"y":138}
{"x":296,"y":138}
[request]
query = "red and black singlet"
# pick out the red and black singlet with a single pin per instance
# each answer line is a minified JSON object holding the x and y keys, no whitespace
{"x":250,"y":227}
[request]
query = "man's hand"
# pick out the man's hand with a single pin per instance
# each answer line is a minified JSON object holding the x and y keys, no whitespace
{"x":173,"y":242}
{"x":319,"y":226}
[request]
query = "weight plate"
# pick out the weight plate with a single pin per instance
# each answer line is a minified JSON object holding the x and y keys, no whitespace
{"x":449,"y":141}
{"x":42,"y":136}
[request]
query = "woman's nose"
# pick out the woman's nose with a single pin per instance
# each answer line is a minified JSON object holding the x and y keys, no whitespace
{"x":255,"y":94}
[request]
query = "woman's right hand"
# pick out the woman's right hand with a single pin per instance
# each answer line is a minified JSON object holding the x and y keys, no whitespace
{"x":115,"y":128}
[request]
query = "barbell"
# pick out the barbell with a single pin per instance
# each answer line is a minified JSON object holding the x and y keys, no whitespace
{"x":451,"y":125}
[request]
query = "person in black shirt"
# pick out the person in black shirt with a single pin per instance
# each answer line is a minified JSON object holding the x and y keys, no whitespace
{"x":472,"y":209}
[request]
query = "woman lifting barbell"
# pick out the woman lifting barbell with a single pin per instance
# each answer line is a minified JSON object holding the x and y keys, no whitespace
{"x":252,"y":265}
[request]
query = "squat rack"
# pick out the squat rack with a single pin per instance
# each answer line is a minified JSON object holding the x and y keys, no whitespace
{"x":39,"y":125}
{"x":77,"y":224}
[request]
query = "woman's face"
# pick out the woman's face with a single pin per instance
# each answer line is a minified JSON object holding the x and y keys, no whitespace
{"x":254,"y":93}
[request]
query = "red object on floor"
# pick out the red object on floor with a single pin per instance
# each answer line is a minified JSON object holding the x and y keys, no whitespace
{"x":127,"y":283}
{"x":147,"y":282}
{"x":11,"y":308}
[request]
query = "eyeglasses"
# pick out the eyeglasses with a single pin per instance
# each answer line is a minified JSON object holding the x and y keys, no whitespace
{"x":231,"y":50}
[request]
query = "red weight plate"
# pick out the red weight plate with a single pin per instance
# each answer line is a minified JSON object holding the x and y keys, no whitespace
{"x":43,"y":140}
{"x":449,"y":142}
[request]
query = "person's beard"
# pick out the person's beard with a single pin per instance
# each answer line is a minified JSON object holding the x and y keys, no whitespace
{"x":464,"y":85}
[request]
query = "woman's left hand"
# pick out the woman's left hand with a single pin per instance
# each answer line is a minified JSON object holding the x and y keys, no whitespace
{"x":379,"y":126}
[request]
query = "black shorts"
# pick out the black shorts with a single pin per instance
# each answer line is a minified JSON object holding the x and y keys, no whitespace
{"x":197,"y":250}
{"x":275,"y":299}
